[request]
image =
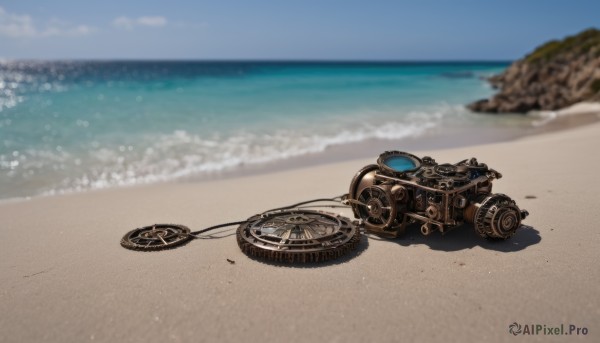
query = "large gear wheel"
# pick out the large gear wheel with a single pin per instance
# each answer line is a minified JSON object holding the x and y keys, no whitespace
{"x":156,"y":237}
{"x":298,"y":236}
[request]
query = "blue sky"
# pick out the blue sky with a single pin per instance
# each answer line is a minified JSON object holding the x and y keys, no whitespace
{"x":307,"y":29}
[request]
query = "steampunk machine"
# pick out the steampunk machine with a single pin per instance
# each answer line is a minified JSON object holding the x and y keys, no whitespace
{"x":401,"y":189}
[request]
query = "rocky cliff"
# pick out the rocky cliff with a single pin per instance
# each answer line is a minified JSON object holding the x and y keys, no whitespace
{"x":555,"y":75}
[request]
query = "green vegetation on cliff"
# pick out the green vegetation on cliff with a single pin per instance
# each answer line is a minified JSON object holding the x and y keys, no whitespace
{"x":577,"y":44}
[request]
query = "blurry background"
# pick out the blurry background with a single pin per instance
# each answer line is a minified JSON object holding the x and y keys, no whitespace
{"x":114,"y":93}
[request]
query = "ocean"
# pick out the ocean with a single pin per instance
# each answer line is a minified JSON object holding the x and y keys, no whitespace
{"x":74,"y":126}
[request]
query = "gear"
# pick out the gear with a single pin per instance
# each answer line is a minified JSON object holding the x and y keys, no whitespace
{"x":445,"y":169}
{"x":362,"y":179}
{"x":375,"y":205}
{"x":497,"y":217}
{"x":298,"y":236}
{"x":156,"y":237}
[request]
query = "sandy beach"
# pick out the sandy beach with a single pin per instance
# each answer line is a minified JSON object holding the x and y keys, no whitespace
{"x":65,"y":278}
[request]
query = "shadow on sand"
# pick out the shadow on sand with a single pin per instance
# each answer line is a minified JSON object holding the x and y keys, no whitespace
{"x":461,"y":238}
{"x":464,"y":237}
{"x":458,"y":239}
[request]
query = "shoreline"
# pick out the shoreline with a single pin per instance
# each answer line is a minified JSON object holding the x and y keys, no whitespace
{"x":572,"y":117}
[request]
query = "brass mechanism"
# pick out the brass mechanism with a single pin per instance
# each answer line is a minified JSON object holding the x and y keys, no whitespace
{"x":402,"y":189}
{"x":298,"y":236}
{"x":386,"y":197}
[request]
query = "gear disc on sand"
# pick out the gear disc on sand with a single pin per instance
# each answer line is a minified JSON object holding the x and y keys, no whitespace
{"x":156,"y":237}
{"x":298,"y":236}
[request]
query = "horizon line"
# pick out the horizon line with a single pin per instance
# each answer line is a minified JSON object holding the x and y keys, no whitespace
{"x":254,"y":60}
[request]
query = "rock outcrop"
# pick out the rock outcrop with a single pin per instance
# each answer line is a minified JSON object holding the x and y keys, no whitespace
{"x":555,"y":75}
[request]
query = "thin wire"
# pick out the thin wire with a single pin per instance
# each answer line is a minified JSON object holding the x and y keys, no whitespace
{"x":196,"y":233}
{"x":324,"y":206}
{"x":297,"y":205}
{"x":334,"y":199}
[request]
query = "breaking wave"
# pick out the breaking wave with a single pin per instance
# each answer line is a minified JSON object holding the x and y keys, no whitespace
{"x":183,"y":154}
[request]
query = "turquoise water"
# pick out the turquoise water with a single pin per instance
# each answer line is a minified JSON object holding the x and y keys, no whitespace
{"x":400,"y":163}
{"x":70,"y":126}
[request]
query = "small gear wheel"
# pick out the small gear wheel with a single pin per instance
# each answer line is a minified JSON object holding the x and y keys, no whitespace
{"x":298,"y":236}
{"x":156,"y":237}
{"x":498,"y":217}
{"x":376,"y":206}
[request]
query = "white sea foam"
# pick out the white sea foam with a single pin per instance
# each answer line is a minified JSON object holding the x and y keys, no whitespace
{"x":541,"y":118}
{"x":183,"y":154}
{"x":150,"y":158}
{"x":79,"y":126}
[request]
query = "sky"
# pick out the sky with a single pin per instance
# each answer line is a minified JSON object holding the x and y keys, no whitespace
{"x":286,"y":29}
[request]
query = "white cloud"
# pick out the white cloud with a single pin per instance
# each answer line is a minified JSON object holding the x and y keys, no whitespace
{"x":129,"y":23}
{"x":123,"y":23}
{"x":18,"y":26}
{"x":152,"y":21}
{"x":80,"y":30}
{"x":13,"y":25}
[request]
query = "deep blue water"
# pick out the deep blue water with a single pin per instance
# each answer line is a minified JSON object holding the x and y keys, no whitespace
{"x":83,"y":125}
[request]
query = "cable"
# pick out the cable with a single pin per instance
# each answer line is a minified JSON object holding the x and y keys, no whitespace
{"x":338,"y":198}
{"x":196,"y":233}
{"x":334,"y":199}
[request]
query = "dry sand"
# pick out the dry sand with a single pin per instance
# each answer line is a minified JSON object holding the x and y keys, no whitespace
{"x":65,"y":278}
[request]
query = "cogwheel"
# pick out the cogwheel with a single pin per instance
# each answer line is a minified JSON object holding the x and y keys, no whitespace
{"x":156,"y":237}
{"x":498,"y":217}
{"x":298,"y":236}
{"x":376,"y":207}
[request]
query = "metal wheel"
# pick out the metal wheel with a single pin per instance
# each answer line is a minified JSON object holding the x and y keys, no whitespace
{"x":298,"y":236}
{"x":363,"y":178}
{"x":156,"y":237}
{"x":498,"y":217}
{"x":376,"y":207}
